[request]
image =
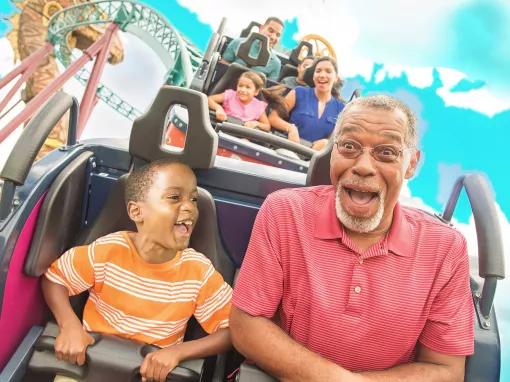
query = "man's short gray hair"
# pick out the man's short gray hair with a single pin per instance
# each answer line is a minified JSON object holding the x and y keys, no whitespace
{"x":385,"y":102}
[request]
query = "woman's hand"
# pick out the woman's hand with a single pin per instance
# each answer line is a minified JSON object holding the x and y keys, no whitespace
{"x":293,"y":134}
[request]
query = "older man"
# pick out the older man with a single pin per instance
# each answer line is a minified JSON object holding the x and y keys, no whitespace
{"x":360,"y":287}
{"x":273,"y":29}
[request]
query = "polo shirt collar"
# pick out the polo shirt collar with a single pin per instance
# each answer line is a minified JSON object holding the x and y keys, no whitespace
{"x":327,"y":226}
{"x":399,"y":238}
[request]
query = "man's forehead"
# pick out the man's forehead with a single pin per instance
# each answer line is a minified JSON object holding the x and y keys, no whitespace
{"x":359,"y":117}
{"x":274,"y":25}
{"x":373,"y":115}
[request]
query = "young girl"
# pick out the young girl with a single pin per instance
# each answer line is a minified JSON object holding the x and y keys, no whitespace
{"x":241,"y":103}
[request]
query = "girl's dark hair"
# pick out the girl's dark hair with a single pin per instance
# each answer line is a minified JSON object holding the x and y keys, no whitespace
{"x":308,"y":77}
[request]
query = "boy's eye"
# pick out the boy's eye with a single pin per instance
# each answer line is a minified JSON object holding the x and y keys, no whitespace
{"x":173,"y":197}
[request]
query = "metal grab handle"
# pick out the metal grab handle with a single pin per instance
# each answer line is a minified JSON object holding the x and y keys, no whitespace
{"x":263,"y":136}
{"x":491,"y":260}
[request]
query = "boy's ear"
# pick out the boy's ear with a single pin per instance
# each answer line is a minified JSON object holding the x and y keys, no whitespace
{"x":134,"y":211}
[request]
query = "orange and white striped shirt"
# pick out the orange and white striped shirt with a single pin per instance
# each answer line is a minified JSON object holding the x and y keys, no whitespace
{"x":146,"y":302}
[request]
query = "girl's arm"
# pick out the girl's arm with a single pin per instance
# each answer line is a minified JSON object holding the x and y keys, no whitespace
{"x":262,"y":123}
{"x":215,"y":101}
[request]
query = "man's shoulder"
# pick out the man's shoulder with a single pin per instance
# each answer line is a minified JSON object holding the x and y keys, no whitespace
{"x":431,"y":225}
{"x":236,"y":41}
{"x":299,"y":196}
{"x":275,"y":58}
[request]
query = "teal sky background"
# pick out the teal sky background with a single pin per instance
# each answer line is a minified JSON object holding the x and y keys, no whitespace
{"x":454,"y":139}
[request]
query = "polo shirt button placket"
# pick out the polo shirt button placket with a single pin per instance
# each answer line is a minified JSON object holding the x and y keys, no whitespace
{"x":357,"y":289}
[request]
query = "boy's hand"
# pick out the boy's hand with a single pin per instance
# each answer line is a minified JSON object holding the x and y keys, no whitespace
{"x":251,"y":124}
{"x":220,"y":114}
{"x":71,"y":344}
{"x":157,"y":365}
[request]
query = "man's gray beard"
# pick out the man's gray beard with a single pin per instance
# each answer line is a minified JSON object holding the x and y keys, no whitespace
{"x":359,"y":224}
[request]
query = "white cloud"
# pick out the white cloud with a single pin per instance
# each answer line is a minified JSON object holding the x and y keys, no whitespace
{"x":394,"y":32}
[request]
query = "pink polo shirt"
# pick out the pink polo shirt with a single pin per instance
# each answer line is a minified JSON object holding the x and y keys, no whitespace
{"x":364,"y":311}
{"x":235,"y":108}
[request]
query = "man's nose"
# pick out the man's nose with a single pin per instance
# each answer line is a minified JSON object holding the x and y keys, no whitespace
{"x":364,"y":164}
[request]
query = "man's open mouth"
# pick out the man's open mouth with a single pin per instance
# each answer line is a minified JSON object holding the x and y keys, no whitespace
{"x":361,"y":197}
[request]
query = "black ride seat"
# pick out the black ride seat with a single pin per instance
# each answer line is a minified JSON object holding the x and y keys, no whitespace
{"x":59,"y":227}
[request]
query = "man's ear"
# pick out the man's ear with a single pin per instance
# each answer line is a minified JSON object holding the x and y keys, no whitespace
{"x":413,"y":164}
{"x":135,"y":212}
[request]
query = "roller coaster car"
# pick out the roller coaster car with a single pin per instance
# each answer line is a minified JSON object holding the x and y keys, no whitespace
{"x":215,"y":76}
{"x":74,"y":195}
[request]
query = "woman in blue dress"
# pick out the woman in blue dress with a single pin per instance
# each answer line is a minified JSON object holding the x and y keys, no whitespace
{"x":310,"y":113}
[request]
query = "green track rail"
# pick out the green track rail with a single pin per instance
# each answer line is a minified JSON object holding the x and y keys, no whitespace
{"x":180,"y":58}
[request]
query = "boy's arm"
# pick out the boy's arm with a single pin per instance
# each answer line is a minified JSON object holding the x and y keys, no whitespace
{"x":158,"y":364}
{"x":72,"y":340}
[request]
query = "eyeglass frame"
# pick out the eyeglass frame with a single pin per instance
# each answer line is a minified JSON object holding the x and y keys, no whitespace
{"x":401,"y":151}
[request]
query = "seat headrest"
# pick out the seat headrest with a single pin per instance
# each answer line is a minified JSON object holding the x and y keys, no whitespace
{"x":263,"y":55}
{"x":250,"y":28}
{"x":296,"y":53}
{"x":229,"y":79}
{"x":201,"y":143}
{"x":318,"y":170}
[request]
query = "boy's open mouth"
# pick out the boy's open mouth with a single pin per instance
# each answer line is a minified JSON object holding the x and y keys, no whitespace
{"x":184,"y":227}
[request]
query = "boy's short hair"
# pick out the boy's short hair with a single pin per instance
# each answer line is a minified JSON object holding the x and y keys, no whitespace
{"x":140,"y":180}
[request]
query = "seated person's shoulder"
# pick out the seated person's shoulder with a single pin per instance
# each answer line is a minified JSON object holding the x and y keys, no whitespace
{"x":289,"y":81}
{"x":195,"y":259}
{"x":297,"y":196}
{"x":431,"y":225}
{"x":275,"y":57}
{"x":109,"y":245}
{"x":231,"y":50}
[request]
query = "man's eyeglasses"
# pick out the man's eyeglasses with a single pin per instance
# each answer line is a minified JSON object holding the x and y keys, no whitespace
{"x":386,"y":153}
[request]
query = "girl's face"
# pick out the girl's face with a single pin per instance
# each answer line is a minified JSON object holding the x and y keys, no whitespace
{"x":324,"y":76}
{"x":246,"y":89}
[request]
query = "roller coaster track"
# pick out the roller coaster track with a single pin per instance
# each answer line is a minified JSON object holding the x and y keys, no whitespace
{"x":178,"y":55}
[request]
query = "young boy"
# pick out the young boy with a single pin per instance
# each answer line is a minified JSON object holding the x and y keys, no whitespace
{"x":144,"y":285}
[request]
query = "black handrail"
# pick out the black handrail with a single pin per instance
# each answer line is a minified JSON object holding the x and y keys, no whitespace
{"x":262,"y":136}
{"x":491,"y":260}
{"x":29,"y":143}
